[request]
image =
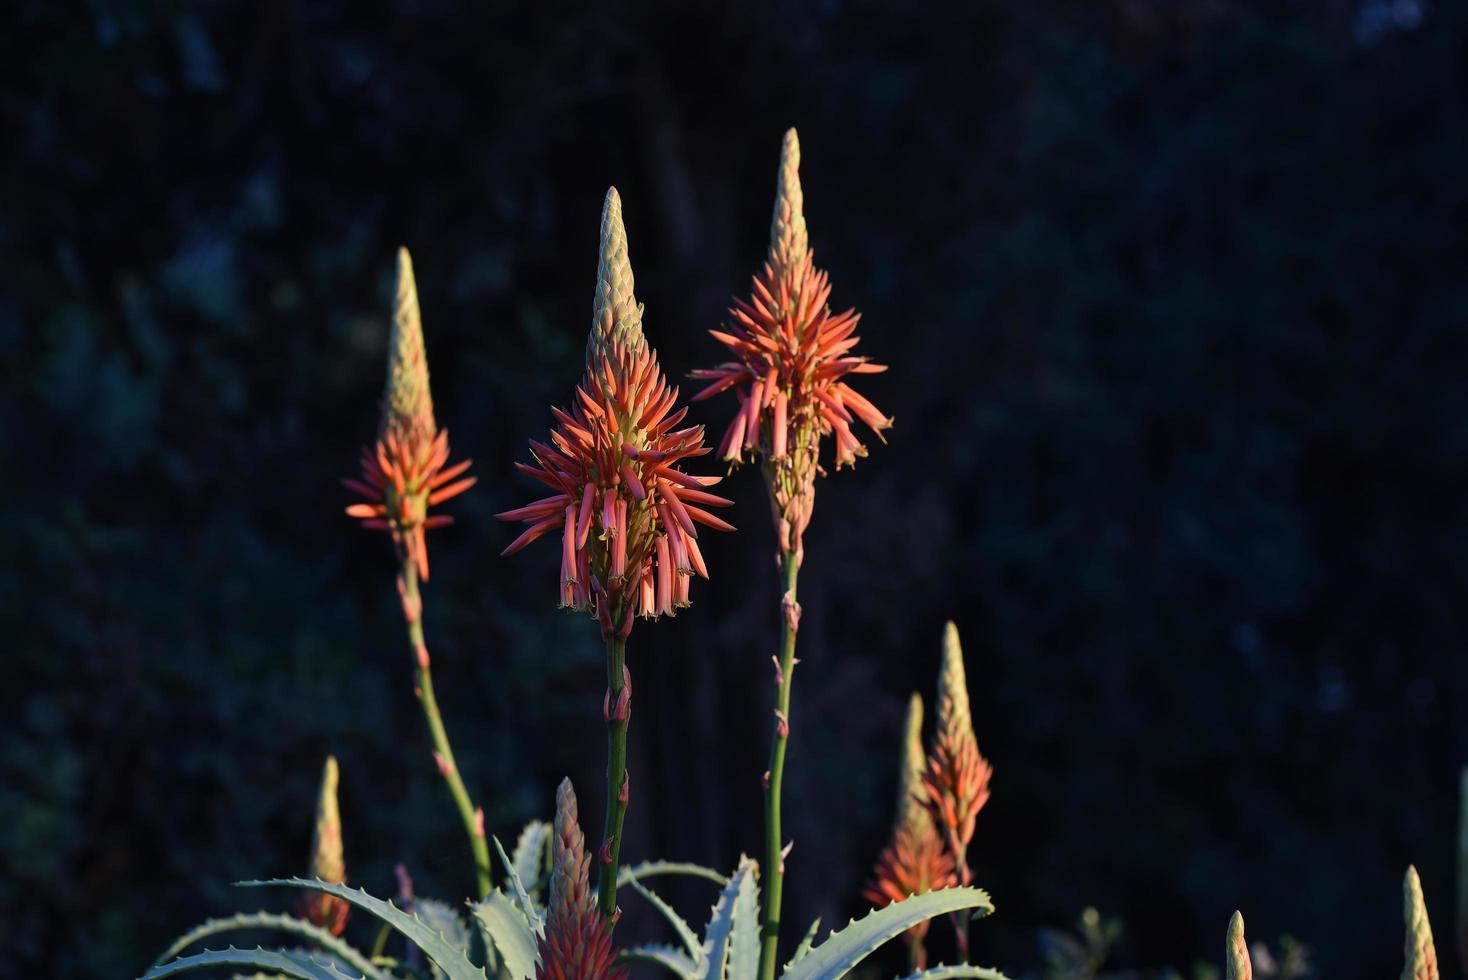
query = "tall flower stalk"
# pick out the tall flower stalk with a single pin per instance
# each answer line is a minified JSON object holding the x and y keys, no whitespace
{"x":627,"y":515}
{"x":790,"y":359}
{"x":956,"y":779}
{"x":403,"y":476}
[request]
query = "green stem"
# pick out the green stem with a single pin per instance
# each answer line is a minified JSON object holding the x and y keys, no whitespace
{"x":619,"y":712}
{"x":444,"y":753}
{"x":774,"y":841}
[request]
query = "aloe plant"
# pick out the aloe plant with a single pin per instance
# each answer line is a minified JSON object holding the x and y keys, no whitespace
{"x":729,"y":948}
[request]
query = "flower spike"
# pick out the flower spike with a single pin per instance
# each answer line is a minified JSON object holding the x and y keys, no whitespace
{"x":406,"y":474}
{"x":956,"y":781}
{"x":916,"y":860}
{"x":578,"y":941}
{"x":791,"y":360}
{"x":327,"y":911}
{"x":625,"y":511}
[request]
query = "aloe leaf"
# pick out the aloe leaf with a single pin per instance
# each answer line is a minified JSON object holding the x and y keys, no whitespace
{"x":946,"y":972}
{"x":685,"y":932}
{"x":517,"y":886}
{"x":289,"y":924}
{"x":529,"y":854}
{"x":444,"y":919}
{"x":453,"y":961}
{"x":648,"y":869}
{"x":721,"y":923}
{"x":504,"y":924}
{"x":806,"y":943}
{"x":296,"y":965}
{"x":744,"y":940}
{"x":844,"y":949}
{"x":666,"y":957}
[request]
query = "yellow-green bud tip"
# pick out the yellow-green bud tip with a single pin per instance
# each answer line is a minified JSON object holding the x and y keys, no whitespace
{"x":615,"y":312}
{"x":953,"y":705}
{"x":788,"y":239}
{"x":407,"y":403}
{"x":1419,"y":954}
{"x":910,"y":811}
{"x":1236,"y":951}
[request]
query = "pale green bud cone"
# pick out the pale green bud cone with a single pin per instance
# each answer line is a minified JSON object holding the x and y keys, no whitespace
{"x":407,"y":403}
{"x":1236,"y":951}
{"x":911,"y":813}
{"x":616,"y":316}
{"x":788,"y":239}
{"x":1420,"y":956}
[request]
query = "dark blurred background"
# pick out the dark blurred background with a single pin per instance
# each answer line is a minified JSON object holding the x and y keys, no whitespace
{"x":1174,"y":296}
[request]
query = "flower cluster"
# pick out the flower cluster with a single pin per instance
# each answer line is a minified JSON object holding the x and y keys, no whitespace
{"x":578,"y":940}
{"x":405,"y":473}
{"x":956,"y":780}
{"x":627,"y":514}
{"x":916,"y":860}
{"x":791,"y":358}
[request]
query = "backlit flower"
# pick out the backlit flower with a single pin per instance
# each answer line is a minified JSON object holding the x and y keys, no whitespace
{"x":956,"y":777}
{"x":578,"y":939}
{"x":792,"y":356}
{"x":627,"y":515}
{"x":405,"y":474}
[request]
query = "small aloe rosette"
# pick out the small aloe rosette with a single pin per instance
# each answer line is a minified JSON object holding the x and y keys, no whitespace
{"x":578,"y":940}
{"x":626,"y":512}
{"x":792,"y":358}
{"x":915,"y":860}
{"x":406,"y":472}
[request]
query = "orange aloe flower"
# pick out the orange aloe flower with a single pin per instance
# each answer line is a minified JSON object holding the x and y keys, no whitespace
{"x":792,"y":356}
{"x":578,"y":939}
{"x":916,"y":860}
{"x":405,"y":474}
{"x":627,"y":514}
{"x":956,"y":780}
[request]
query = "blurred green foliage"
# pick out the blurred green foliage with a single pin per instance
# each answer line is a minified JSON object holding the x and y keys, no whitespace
{"x":1174,"y":296}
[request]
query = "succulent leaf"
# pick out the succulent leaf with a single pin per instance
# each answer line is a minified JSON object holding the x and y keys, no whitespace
{"x":454,"y":961}
{"x":721,"y":924}
{"x":286,"y":963}
{"x":744,"y":948}
{"x":502,"y":923}
{"x":658,"y":955}
{"x":946,"y":972}
{"x":805,"y":943}
{"x":288,"y":924}
{"x":847,"y":947}
{"x":530,"y":853}
{"x":533,"y":914}
{"x":686,"y":935}
{"x":649,"y":869}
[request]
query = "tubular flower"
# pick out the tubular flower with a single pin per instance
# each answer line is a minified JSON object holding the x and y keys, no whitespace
{"x":916,"y":860}
{"x":327,"y":863}
{"x":578,"y":940}
{"x":791,"y":358}
{"x":405,"y":474}
{"x":956,"y":779}
{"x":627,"y":514}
